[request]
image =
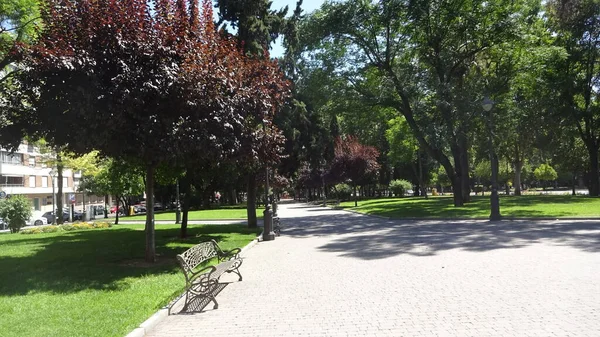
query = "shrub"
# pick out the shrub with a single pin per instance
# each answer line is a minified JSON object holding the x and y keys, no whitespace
{"x":342,"y":191}
{"x":400,"y":186}
{"x":101,"y":225}
{"x":15,"y":211}
{"x":66,"y":227}
{"x":50,"y":229}
{"x":32,"y":230}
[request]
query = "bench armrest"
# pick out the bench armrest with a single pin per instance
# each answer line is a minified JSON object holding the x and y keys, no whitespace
{"x":206,"y":270}
{"x":230,"y":254}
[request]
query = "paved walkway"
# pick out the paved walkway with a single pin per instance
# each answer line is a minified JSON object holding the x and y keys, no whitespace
{"x":335,"y":273}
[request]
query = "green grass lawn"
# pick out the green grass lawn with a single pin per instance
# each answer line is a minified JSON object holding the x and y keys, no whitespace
{"x":94,"y":283}
{"x":225,"y":213}
{"x":510,"y":206}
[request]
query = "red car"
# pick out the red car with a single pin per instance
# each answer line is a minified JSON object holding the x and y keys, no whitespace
{"x":113,"y":209}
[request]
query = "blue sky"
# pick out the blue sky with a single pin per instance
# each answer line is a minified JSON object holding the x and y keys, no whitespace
{"x":307,"y":5}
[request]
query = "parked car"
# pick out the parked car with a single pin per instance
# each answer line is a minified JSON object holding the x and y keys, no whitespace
{"x":99,"y":210}
{"x":139,"y":208}
{"x":51,"y":218}
{"x":77,"y":215}
{"x":113,"y":210}
{"x":37,"y":219}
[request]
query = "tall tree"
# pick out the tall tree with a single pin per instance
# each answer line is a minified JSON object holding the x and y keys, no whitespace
{"x":421,"y":52}
{"x":257,"y":27}
{"x":353,"y":162}
{"x":576,"y":75}
{"x":166,"y":80}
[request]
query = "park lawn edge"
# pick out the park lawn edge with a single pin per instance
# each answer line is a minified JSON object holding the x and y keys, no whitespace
{"x":536,"y":207}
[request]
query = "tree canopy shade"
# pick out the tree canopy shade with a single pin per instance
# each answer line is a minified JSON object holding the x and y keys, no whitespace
{"x":419,"y":58}
{"x":575,"y":76}
{"x":145,"y":81}
{"x":17,"y":18}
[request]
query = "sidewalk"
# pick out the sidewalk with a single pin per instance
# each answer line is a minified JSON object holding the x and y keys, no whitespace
{"x":336,"y":273}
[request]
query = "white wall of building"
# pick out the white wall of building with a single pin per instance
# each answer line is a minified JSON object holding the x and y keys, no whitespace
{"x":25,"y":173}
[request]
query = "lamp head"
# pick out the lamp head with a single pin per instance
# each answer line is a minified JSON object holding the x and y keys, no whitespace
{"x":487,"y":104}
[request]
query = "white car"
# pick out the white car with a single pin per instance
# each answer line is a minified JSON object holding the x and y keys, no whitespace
{"x":37,"y":219}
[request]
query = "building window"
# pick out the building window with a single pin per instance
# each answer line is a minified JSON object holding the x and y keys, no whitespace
{"x":44,"y":181}
{"x":11,"y":181}
{"x":11,"y":158}
{"x":36,"y":204}
{"x":65,"y":182}
{"x":30,"y":148}
{"x":32,"y":161}
{"x":49,"y":200}
{"x":31,"y":181}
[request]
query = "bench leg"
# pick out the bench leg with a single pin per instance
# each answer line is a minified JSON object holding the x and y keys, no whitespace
{"x":212,"y":298}
{"x":237,"y":271}
{"x":187,"y":299}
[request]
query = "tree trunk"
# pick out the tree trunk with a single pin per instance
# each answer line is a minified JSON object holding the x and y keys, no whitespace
{"x":574,"y":182}
{"x":594,"y":187}
{"x":251,"y":204}
{"x":457,"y":191}
{"x":355,"y":197}
{"x":184,"y":221}
{"x":185,"y":206}
{"x":232,"y":196}
{"x":106,"y":206}
{"x":150,"y":235}
{"x":117,"y":211}
{"x":421,"y":183}
{"x":517,"y":182}
{"x":464,"y":170}
{"x":59,"y":198}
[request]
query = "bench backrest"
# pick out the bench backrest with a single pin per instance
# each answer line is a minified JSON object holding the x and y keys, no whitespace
{"x":194,"y":256}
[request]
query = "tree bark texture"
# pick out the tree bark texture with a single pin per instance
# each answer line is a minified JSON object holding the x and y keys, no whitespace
{"x":150,"y":234}
{"x":185,"y":206}
{"x":594,"y":179}
{"x":251,"y":202}
{"x":58,"y":212}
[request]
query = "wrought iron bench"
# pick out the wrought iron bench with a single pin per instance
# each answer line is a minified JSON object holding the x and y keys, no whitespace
{"x":201,"y":283}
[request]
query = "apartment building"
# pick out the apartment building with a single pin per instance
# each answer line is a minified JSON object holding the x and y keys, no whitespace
{"x":24,"y":172}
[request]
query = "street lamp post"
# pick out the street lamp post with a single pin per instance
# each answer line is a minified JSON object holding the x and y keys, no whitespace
{"x":268,"y":233}
{"x":487,"y":105}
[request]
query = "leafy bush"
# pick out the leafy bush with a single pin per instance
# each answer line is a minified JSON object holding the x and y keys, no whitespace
{"x":545,"y":172}
{"x":66,"y":227}
{"x":32,"y":230}
{"x":400,"y":186}
{"x":15,"y":211}
{"x":50,"y":229}
{"x":342,"y":191}
{"x":101,"y":225}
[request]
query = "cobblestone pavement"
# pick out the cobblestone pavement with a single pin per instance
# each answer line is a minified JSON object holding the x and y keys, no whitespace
{"x":335,"y":273}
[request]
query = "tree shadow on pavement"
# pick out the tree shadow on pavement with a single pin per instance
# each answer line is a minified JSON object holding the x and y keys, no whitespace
{"x":366,"y":237}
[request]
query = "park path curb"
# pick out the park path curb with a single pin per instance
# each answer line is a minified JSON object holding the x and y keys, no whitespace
{"x":161,"y":314}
